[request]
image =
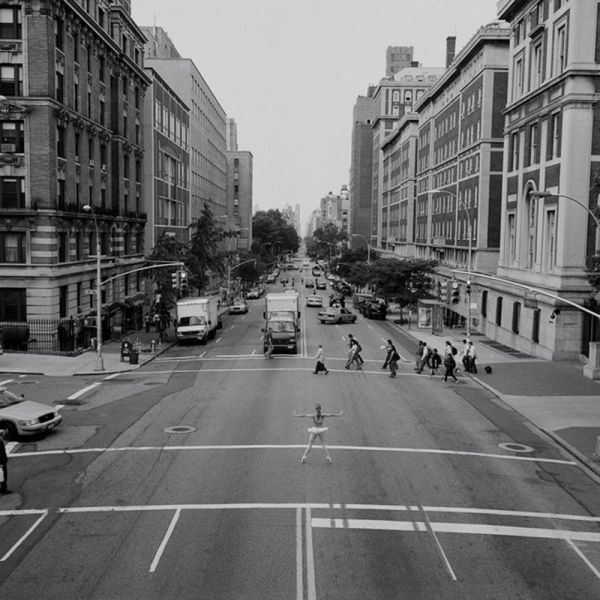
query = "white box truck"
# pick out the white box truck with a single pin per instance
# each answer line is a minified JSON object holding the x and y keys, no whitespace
{"x":197,"y":319}
{"x":281,"y":321}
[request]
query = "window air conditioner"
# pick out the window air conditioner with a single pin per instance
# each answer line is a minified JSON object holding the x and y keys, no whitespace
{"x":8,"y":148}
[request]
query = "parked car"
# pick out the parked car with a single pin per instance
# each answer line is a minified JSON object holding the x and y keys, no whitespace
{"x":253,"y":294}
{"x":337,"y":315}
{"x":239,"y":307}
{"x":309,"y":283}
{"x":320,"y":285}
{"x":314,"y":300}
{"x":24,"y":417}
{"x":271,"y":278}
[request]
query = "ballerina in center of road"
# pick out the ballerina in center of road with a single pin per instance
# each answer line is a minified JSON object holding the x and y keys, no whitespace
{"x":318,"y":431}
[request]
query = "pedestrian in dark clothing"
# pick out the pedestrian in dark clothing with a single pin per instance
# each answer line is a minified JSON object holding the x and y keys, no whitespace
{"x":147,"y":323}
{"x":391,"y":359}
{"x":419,"y":355}
{"x":472,"y":357}
{"x":3,"y":465}
{"x":425,"y":355}
{"x":450,"y":365}
{"x":435,"y":360}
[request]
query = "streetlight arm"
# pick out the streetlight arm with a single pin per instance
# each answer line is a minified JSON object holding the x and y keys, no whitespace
{"x":551,"y":195}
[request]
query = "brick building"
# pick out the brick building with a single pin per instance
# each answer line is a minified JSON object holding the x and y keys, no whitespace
{"x":71,"y":124}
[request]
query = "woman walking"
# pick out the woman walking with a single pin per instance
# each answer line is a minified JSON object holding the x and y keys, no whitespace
{"x":318,"y":431}
{"x":320,"y":366}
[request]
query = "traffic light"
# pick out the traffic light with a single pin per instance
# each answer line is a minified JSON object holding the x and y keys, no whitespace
{"x":455,"y":296}
{"x":175,"y":280}
{"x":443,"y":291}
{"x":183,"y":282}
{"x":468,"y":288}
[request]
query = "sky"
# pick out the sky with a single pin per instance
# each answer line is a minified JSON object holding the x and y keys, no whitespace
{"x":289,"y":72}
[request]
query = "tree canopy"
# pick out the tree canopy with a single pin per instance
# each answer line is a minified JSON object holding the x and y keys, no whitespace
{"x":272,"y":234}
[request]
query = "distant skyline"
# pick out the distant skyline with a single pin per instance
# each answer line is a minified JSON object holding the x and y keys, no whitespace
{"x":289,"y":72}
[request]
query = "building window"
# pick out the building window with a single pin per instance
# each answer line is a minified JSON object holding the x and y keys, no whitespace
{"x":10,"y":23}
{"x":550,"y":254}
{"x":518,"y":78}
{"x":75,"y":47}
{"x":515,"y":143}
{"x":13,"y":304}
{"x":535,"y":326}
{"x":76,"y":96}
{"x":79,"y":293}
{"x":60,"y":87}
{"x":499,"y":311}
{"x":60,"y":194}
{"x":62,"y":247}
{"x":101,"y":68}
{"x":533,"y":147}
{"x":60,"y":142}
{"x":516,"y":317}
{"x":484,"y":299}
{"x":554,"y":137}
{"x":12,"y":247}
{"x":10,"y":80}
{"x":78,"y":248}
{"x":12,"y":138}
{"x":531,"y":206}
{"x":12,"y":192}
{"x":537,"y":66}
{"x":512,"y":238}
{"x":560,"y":48}
{"x":59,"y":34}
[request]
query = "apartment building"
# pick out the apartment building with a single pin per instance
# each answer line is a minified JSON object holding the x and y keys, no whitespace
{"x":167,"y":161}
{"x":71,"y":122}
{"x":552,"y":144}
{"x":239,"y":195}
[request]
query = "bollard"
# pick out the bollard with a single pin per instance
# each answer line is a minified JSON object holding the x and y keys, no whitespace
{"x":153,"y":346}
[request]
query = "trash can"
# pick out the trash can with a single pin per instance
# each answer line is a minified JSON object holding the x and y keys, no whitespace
{"x":133,"y":357}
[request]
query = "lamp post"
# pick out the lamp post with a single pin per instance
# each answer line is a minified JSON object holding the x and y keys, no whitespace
{"x":462,"y":204}
{"x":551,"y":195}
{"x":100,"y":360}
{"x":368,"y":246}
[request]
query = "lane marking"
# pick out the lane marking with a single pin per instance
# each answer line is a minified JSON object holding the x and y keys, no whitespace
{"x":112,"y":376}
{"x":6,"y":381}
{"x":438,"y":545}
{"x":217,"y":340}
{"x":165,"y":541}
{"x":253,"y":352}
{"x":203,"y":354}
{"x":584,"y":558}
{"x":24,"y":537}
{"x":10,"y":446}
{"x":84,"y":391}
{"x":299,"y":552}
{"x":311,"y":583}
{"x":294,"y":446}
{"x":463,"y":528}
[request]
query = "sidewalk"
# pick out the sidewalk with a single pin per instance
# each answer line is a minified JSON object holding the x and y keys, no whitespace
{"x":553,"y":396}
{"x":87,"y":362}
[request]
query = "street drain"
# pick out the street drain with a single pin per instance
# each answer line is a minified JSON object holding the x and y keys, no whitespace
{"x":516,"y":447}
{"x":179,"y":429}
{"x":68,"y":402}
{"x":152,"y":382}
{"x":27,"y":382}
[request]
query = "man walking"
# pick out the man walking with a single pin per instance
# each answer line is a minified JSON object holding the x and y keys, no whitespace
{"x":391,"y":359}
{"x":3,"y":465}
{"x":471,"y":357}
{"x":320,"y":366}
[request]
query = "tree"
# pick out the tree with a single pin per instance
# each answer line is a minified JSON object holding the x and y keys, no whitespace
{"x":326,"y":238}
{"x":204,"y":256}
{"x":271,"y":232}
{"x":166,"y":249}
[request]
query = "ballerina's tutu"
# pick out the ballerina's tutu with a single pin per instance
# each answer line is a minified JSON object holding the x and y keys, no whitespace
{"x":317,"y":429}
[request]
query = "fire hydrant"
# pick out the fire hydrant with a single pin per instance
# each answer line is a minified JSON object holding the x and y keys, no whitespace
{"x":153,"y":346}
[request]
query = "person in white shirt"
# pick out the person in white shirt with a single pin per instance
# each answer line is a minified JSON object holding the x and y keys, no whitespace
{"x":472,"y":357}
{"x":320,"y":366}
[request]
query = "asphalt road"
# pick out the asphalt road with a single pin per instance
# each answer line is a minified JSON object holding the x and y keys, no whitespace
{"x":423,"y":499}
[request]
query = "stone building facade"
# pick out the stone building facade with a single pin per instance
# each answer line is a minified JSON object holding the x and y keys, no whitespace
{"x":71,"y":124}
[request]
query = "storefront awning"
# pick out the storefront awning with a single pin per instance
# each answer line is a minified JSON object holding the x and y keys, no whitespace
{"x":136,"y":299}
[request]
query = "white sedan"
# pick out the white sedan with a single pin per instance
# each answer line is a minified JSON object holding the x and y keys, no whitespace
{"x":314,"y":300}
{"x":24,"y":417}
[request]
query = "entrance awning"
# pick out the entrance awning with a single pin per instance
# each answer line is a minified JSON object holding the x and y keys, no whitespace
{"x":136,"y":299}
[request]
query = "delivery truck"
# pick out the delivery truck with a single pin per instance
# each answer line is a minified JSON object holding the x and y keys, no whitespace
{"x":282,"y":316}
{"x":197,"y":319}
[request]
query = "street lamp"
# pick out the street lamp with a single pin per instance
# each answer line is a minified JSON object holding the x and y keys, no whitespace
{"x":556,"y":195}
{"x":461,"y":203}
{"x":100,"y":360}
{"x":368,"y":246}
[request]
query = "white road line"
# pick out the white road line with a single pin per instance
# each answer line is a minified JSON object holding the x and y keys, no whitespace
{"x":531,"y":459}
{"x":253,"y":352}
{"x":6,"y":381}
{"x":232,"y":327}
{"x":463,"y":528}
{"x":10,"y":446}
{"x":310,"y":559}
{"x":299,"y":563}
{"x":24,"y":537}
{"x":203,"y":354}
{"x":584,"y":558}
{"x":83,"y":391}
{"x":217,"y":340}
{"x":112,"y":376}
{"x":439,"y":547}
{"x":165,"y":541}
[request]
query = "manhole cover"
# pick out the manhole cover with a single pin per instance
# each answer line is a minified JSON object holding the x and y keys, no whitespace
{"x":516,"y":447}
{"x":179,"y":429}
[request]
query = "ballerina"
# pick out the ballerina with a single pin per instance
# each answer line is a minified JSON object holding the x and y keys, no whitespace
{"x":318,"y":431}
